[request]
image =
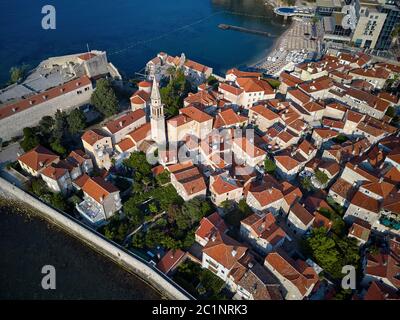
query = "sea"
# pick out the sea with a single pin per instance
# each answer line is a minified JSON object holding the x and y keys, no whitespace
{"x":132,"y":32}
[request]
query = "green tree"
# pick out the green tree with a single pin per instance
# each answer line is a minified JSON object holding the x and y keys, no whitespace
{"x":46,"y":126}
{"x":138,"y":162}
{"x":38,"y":187}
{"x":58,"y":201}
{"x":133,"y":213}
{"x":138,"y":240}
{"x":212,"y":81}
{"x":30,"y":140}
{"x":104,"y":98}
{"x":321,"y":177}
{"x":76,"y":121}
{"x":57,"y":147}
{"x":306,"y":184}
{"x":163,"y":178}
{"x":269,"y":166}
{"x":18,"y":73}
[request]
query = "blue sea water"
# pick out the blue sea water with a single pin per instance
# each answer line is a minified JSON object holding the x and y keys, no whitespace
{"x":133,"y":31}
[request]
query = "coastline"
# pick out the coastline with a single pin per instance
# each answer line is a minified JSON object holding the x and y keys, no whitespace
{"x":16,"y":207}
{"x":277,"y":43}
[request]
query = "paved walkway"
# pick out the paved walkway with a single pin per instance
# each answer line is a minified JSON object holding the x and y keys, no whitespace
{"x":10,"y":153}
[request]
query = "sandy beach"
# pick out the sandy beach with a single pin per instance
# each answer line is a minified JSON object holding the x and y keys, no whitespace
{"x":292,"y":47}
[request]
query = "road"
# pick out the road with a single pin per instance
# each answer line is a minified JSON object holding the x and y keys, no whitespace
{"x":10,"y":153}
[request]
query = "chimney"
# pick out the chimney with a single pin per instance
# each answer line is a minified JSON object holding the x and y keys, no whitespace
{"x":250,"y":265}
{"x":31,"y":102}
{"x":120,"y":124}
{"x":213,"y":238}
{"x":234,"y":252}
{"x":41,"y":163}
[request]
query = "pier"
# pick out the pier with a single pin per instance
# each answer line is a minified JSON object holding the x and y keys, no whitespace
{"x":241,"y":29}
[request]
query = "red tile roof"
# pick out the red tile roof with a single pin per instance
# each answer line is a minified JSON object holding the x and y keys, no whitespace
{"x":92,"y":136}
{"x":38,"y":158}
{"x":32,"y":101}
{"x":170,"y":260}
{"x":209,"y":225}
{"x":127,"y":119}
{"x":98,"y":188}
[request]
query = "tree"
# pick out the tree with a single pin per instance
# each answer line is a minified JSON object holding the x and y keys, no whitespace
{"x":321,"y":177}
{"x":57,"y":201}
{"x":133,"y":213}
{"x":57,"y":147}
{"x":332,"y":252}
{"x":212,"y":81}
{"x":18,"y":73}
{"x":30,"y":140}
{"x":46,"y":126}
{"x":60,"y":127}
{"x":76,"y":121}
{"x":306,"y":184}
{"x":269,"y":166}
{"x":104,"y":98}
{"x":138,"y":162}
{"x":163,"y":178}
{"x":38,"y":187}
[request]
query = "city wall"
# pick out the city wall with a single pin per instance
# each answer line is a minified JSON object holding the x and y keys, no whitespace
{"x":95,"y":240}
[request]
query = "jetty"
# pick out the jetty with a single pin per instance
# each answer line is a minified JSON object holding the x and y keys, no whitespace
{"x":241,"y":29}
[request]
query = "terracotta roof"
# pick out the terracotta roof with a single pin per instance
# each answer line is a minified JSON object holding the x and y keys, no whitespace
{"x":323,"y":83}
{"x":38,"y":158}
{"x":32,"y":101}
{"x":297,"y":272}
{"x":225,"y":250}
{"x":265,"y":227}
{"x":141,"y":133}
{"x":170,"y":260}
{"x":392,"y":203}
{"x":249,"y":147}
{"x":222,"y":185}
{"x":87,"y":56}
{"x":380,"y":73}
{"x":243,"y":74}
{"x":140,"y":97}
{"x":370,"y":99}
{"x":127,"y":119}
{"x":264,"y":112}
{"x":81,"y":180}
{"x":254,"y":85}
{"x":289,"y":79}
{"x":98,"y":189}
{"x":363,"y":201}
{"x":54,"y":172}
{"x":321,"y":221}
{"x":195,"y":114}
{"x":380,"y":188}
{"x":385,"y":264}
{"x":343,"y":189}
{"x":228,"y":117}
{"x":179,"y":120}
{"x":196,"y":66}
{"x":265,"y":193}
{"x":92,"y":136}
{"x":287,"y":162}
{"x":189,"y":176}
{"x":380,"y":291}
{"x":299,"y":95}
{"x":77,"y":157}
{"x":231,"y":89}
{"x":209,"y":225}
{"x":326,"y":133}
{"x":360,"y":229}
{"x":125,"y":144}
{"x":302,"y":214}
{"x":354,"y":116}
